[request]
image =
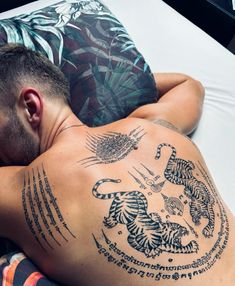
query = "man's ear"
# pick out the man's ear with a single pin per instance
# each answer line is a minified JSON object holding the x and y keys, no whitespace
{"x":31,"y":101}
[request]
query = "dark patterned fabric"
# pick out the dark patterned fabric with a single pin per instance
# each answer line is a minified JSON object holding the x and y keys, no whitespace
{"x":109,"y":78}
{"x":17,"y":270}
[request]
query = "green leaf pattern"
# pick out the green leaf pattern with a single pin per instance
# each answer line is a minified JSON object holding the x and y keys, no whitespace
{"x":108,"y":76}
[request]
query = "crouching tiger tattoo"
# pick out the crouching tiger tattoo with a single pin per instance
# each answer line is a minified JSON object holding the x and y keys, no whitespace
{"x":180,"y":172}
{"x":147,"y":232}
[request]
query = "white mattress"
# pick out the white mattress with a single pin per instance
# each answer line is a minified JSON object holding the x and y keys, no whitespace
{"x":170,"y":43}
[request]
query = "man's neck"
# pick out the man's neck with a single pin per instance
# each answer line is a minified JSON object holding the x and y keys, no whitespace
{"x":54,"y":122}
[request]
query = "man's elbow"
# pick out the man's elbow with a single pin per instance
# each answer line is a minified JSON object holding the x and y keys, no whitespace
{"x":198,"y":87}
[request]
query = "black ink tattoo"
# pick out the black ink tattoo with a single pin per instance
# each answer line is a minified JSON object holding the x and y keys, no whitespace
{"x":192,"y":229}
{"x":149,"y":171}
{"x":158,"y":271}
{"x":150,"y":235}
{"x":155,"y":187}
{"x":174,"y":128}
{"x":147,"y":232}
{"x":34,"y":212}
{"x":180,"y":172}
{"x":173,"y":205}
{"x":41,"y":211}
{"x":149,"y":182}
{"x":159,"y":186}
{"x":167,"y":125}
{"x":141,"y":185}
{"x":27,"y":215}
{"x":53,"y":202}
{"x":111,"y":146}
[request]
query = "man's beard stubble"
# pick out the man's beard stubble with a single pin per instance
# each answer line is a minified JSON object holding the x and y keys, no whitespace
{"x":20,"y":145}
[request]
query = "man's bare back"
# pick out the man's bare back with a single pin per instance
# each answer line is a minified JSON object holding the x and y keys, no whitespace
{"x":129,"y":203}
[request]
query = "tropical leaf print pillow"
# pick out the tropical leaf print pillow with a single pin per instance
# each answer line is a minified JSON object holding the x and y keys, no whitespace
{"x":108,"y":76}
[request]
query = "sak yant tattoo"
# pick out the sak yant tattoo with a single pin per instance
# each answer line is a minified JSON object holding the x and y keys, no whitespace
{"x":173,"y":205}
{"x":180,"y":172}
{"x":167,"y":125}
{"x":147,"y":232}
{"x":42,"y":213}
{"x":111,"y":146}
{"x":149,"y":179}
{"x":191,"y":229}
{"x":160,"y":247}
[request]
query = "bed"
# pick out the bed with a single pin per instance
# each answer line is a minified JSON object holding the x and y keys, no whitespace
{"x":169,"y":43}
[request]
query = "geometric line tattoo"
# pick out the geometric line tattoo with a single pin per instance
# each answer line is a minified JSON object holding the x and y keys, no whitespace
{"x":180,"y":172}
{"x":147,"y":232}
{"x":41,"y":211}
{"x":138,"y":181}
{"x":111,"y":146}
{"x":149,"y":181}
{"x":155,"y":187}
{"x":191,"y":229}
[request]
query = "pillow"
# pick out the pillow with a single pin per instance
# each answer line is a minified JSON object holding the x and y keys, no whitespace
{"x":108,"y":76}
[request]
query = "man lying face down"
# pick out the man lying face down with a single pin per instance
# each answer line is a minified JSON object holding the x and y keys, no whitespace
{"x":128,"y":203}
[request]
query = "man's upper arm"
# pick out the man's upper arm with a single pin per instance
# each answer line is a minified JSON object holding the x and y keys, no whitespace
{"x":10,"y":186}
{"x":180,"y":103}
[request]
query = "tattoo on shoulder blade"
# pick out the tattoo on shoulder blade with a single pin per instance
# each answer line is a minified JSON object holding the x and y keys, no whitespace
{"x":111,"y":146}
{"x":180,"y":172}
{"x":174,"y":128}
{"x":151,"y":230}
{"x":42,"y":213}
{"x":167,"y":124}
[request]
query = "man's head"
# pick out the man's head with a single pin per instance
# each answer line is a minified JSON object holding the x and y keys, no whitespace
{"x":27,"y":81}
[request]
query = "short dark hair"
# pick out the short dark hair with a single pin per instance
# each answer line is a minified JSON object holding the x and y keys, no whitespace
{"x":19,"y":64}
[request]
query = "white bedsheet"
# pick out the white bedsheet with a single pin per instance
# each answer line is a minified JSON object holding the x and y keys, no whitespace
{"x":170,"y":43}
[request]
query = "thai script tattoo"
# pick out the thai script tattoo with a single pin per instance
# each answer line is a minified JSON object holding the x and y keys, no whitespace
{"x":111,"y":146}
{"x":188,"y":193}
{"x":42,"y":213}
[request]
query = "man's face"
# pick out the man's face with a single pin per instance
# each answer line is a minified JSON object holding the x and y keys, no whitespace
{"x":17,"y":145}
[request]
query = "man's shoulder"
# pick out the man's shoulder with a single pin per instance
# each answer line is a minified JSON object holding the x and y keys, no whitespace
{"x":11,"y":184}
{"x":167,"y":124}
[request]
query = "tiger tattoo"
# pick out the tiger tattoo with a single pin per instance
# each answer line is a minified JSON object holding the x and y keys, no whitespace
{"x":180,"y":172}
{"x":147,"y":232}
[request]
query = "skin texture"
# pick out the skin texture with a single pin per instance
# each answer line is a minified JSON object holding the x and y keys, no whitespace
{"x":128,"y":203}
